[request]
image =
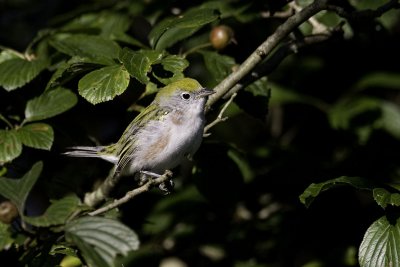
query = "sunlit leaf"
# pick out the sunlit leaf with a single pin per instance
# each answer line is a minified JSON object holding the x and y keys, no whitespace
{"x":17,"y":72}
{"x":8,"y":54}
{"x":49,"y":104}
{"x":10,"y":145}
{"x":104,"y":84}
{"x":5,"y":236}
{"x":17,"y":190}
{"x":174,"y":64}
{"x":381,"y":244}
{"x":171,"y":30}
{"x":71,"y":261}
{"x":383,"y":197}
{"x":96,"y":49}
{"x":101,"y":240}
{"x":36,"y":135}
{"x":313,"y":190}
{"x":67,"y":70}
{"x":56,"y":213}
{"x":138,"y":63}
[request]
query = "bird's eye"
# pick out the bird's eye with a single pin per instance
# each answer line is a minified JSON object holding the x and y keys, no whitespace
{"x":185,"y":96}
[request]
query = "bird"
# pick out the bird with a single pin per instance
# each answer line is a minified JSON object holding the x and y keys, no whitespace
{"x":161,"y":136}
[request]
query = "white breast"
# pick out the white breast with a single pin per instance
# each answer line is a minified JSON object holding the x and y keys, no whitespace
{"x":172,"y":139}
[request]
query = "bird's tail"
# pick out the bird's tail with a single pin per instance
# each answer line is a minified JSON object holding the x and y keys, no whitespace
{"x":84,"y":151}
{"x":91,"y":152}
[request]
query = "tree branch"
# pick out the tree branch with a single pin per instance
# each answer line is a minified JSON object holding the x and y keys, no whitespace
{"x":133,"y":193}
{"x":266,"y":48}
{"x":278,"y":56}
{"x":93,"y":198}
{"x":257,"y":67}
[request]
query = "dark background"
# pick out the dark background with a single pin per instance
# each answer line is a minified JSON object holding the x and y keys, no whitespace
{"x":256,"y":221}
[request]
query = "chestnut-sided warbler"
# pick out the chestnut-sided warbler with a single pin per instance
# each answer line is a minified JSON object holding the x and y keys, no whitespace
{"x":161,"y":136}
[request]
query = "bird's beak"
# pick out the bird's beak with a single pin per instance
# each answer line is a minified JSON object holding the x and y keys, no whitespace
{"x":205,"y":92}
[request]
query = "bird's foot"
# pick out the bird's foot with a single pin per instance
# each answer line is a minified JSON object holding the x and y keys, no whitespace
{"x":166,"y":186}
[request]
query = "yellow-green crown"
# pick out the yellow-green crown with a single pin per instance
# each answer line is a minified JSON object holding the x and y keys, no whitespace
{"x":185,"y":84}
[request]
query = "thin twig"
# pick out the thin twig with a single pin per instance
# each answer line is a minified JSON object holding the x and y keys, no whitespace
{"x":133,"y":193}
{"x":279,"y":14}
{"x":220,"y":117}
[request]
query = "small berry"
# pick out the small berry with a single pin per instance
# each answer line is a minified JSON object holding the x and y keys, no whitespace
{"x":221,"y":36}
{"x":8,"y":212}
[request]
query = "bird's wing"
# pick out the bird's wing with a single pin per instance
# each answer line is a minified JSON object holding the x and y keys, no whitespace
{"x":128,"y":143}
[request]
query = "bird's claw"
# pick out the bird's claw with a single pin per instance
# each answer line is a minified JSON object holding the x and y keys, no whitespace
{"x":167,"y":186}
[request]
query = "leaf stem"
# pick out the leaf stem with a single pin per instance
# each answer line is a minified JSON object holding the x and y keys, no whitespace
{"x":6,"y":121}
{"x":195,"y":48}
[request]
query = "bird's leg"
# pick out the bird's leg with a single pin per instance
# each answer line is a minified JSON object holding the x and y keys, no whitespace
{"x":151,"y":174}
{"x":165,"y":187}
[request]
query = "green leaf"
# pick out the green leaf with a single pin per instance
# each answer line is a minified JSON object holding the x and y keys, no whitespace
{"x":218,"y":65}
{"x":138,"y":63}
{"x":96,"y":49}
{"x":171,"y":30}
{"x":66,"y":71}
{"x":313,"y":190}
{"x":125,"y":38}
{"x":57,"y":213}
{"x":101,"y":240}
{"x":226,"y":9}
{"x":381,"y":244}
{"x":113,"y":24}
{"x":17,"y":72}
{"x":390,"y":120}
{"x":106,"y":22}
{"x":8,"y":54}
{"x":341,"y":114}
{"x":282,"y":95}
{"x":384,"y":197}
{"x":36,"y":135}
{"x":49,"y":104}
{"x":174,"y":64}
{"x":10,"y":145}
{"x":243,"y":165}
{"x":260,"y":88}
{"x":5,"y":236}
{"x":17,"y":190}
{"x":109,"y":24}
{"x":104,"y":84}
{"x":379,"y":80}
